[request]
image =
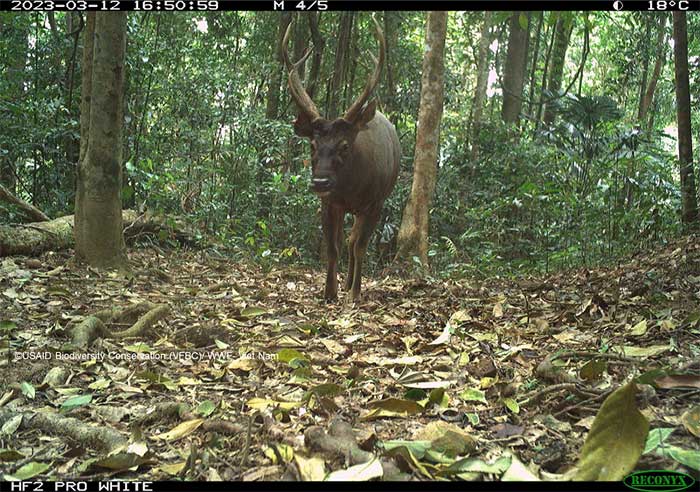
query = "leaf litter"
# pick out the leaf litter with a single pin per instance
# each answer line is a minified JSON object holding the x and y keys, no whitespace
{"x":251,"y":376}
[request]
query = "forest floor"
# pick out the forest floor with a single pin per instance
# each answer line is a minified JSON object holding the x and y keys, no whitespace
{"x":423,"y":373}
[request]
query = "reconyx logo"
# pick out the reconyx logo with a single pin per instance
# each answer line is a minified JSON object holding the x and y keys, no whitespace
{"x":658,"y":480}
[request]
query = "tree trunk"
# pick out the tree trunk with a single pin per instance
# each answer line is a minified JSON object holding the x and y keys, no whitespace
{"x":86,"y":84}
{"x":389,"y":30}
{"x":482,"y":79}
{"x":319,"y":45}
{"x":497,"y":62}
{"x":645,"y":65}
{"x":413,"y":234}
{"x":98,"y":229}
{"x":580,"y":72}
{"x":274,"y":88}
{"x":300,"y":44}
{"x":685,"y":140}
{"x":656,"y":73}
{"x":514,"y":71}
{"x":85,"y":100}
{"x":71,"y":143}
{"x":533,"y":67}
{"x":57,"y":49}
{"x":353,"y":55}
{"x":340,"y":65}
{"x":556,"y":74}
{"x":545,"y":73}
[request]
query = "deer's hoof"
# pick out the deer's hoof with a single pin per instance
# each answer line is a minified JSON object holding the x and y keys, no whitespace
{"x":352,"y":297}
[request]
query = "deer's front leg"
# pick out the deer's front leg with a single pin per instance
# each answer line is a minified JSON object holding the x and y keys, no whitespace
{"x":365,"y":225}
{"x":332,"y":229}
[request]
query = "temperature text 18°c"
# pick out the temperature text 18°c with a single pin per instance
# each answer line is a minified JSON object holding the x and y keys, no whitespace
{"x":669,"y":4}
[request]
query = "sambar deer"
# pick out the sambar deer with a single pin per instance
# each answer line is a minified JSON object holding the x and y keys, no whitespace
{"x":355,"y":162}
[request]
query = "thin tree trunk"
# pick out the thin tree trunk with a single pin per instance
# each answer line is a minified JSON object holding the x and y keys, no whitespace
{"x":497,"y":62}
{"x":57,"y":48}
{"x":645,"y":66}
{"x":140,"y":120}
{"x":561,"y":44}
{"x":319,"y":45}
{"x":354,"y":56}
{"x":71,"y":144}
{"x":656,"y":73}
{"x":685,"y":140}
{"x":388,"y":62}
{"x":273,"y":90}
{"x":99,"y":239}
{"x":86,"y":85}
{"x":340,"y":65}
{"x":533,"y":68}
{"x":545,"y":73}
{"x":300,"y":44}
{"x":482,"y":79}
{"x":514,"y":71}
{"x":413,"y":234}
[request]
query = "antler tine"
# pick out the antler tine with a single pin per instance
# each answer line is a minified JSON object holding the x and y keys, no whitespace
{"x":303,"y":58}
{"x":299,"y":94}
{"x":374,"y":58}
{"x":373,"y":80}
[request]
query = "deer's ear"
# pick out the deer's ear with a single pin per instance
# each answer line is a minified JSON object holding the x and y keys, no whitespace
{"x":303,"y":125}
{"x":366,"y":115}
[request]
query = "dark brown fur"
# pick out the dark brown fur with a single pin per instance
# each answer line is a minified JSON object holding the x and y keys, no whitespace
{"x":355,"y":163}
{"x":362,"y":177}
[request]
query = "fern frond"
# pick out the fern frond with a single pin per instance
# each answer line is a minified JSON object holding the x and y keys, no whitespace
{"x":451,"y":246}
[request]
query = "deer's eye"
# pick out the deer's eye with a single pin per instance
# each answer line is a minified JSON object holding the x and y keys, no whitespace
{"x":343,"y":146}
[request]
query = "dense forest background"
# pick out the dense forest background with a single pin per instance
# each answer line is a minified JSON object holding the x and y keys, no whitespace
{"x":581,"y":168}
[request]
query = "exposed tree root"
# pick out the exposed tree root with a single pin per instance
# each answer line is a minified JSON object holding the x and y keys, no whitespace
{"x":144,"y":323}
{"x":549,"y":372}
{"x":100,"y":438}
{"x":164,"y":411}
{"x":221,"y":426}
{"x":182,"y":411}
{"x":141,"y":317}
{"x":340,"y":442}
{"x":90,"y":329}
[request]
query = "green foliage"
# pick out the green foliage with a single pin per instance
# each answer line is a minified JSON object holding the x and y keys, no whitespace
{"x":198,"y":143}
{"x":38,"y":124}
{"x":583,"y":192}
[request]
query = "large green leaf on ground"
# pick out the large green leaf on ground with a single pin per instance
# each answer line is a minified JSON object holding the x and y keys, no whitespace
{"x":616,"y":439}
